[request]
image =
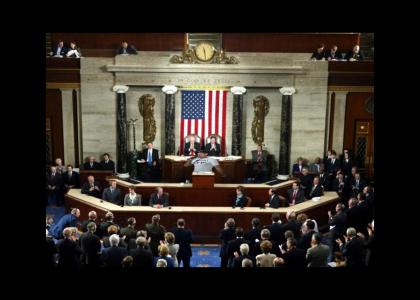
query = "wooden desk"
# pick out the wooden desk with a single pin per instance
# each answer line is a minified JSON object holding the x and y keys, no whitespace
{"x":100,"y":176}
{"x":222,"y":194}
{"x":205,"y":222}
{"x":173,"y":169}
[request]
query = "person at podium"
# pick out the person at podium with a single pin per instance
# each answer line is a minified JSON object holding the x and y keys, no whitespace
{"x":192,"y":147}
{"x":213,"y":148}
{"x":203,"y":164}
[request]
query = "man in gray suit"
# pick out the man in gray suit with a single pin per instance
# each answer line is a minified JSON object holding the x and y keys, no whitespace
{"x":317,"y":255}
{"x":112,"y":193}
{"x":259,"y":164}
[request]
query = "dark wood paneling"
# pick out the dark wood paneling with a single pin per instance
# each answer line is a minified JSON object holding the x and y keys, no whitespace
{"x":350,"y":73}
{"x":142,"y":41}
{"x":331,"y":128}
{"x":355,"y":109}
{"x":220,"y":196}
{"x":287,"y":42}
{"x":62,"y":75}
{"x":62,"y":63}
{"x":54,"y":112}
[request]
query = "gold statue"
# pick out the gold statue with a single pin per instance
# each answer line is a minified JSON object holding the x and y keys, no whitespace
{"x":261,"y":108}
{"x":146,"y":104}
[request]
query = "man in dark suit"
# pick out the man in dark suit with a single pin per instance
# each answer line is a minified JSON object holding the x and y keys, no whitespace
{"x":68,"y":250}
{"x":319,"y":54}
{"x":333,"y":164}
{"x":240,"y":199}
{"x":339,"y":185}
{"x":59,"y":50}
{"x":355,"y":55}
{"x":305,"y":240}
{"x":353,"y":249}
{"x":254,"y":234}
{"x":306,"y":181}
{"x":294,"y":258}
{"x":150,"y":164}
{"x":355,"y":216}
{"x":191,"y":148}
{"x":92,"y":187}
{"x":113,"y":194}
{"x":276,"y":229}
{"x":113,"y":255}
{"x":159,"y":199}
{"x":129,"y":232}
{"x":338,"y":221}
{"x":274,"y":200}
{"x":92,"y":164}
{"x":68,"y":220}
{"x":233,"y":245}
{"x":298,"y":167}
{"x":357,"y":184}
{"x":107,"y":163}
{"x":292,"y":224}
{"x":213,"y":148}
{"x":54,"y":184}
{"x":333,"y":54}
{"x":259,"y":164}
{"x":316,"y":189}
{"x":183,"y":237}
{"x":126,"y":49}
{"x":324,"y":179}
{"x":103,"y":227}
{"x":70,"y":179}
{"x":91,"y":246}
{"x":91,"y":218}
{"x":295,"y":195}
{"x":226,"y":235}
{"x":156,"y":232}
{"x":315,"y":167}
{"x":142,"y":257}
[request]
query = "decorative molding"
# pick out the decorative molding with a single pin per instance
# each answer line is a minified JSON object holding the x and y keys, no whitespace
{"x":62,"y":85}
{"x":169,"y":89}
{"x":353,"y":89}
{"x":287,"y":91}
{"x":238,"y":90}
{"x":120,"y":89}
{"x":188,"y":56}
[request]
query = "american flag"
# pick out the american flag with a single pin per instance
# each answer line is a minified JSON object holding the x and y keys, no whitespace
{"x":203,"y":113}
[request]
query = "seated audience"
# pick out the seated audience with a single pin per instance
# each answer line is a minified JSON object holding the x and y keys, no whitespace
{"x":240,"y":199}
{"x":295,"y":195}
{"x":92,"y":187}
{"x":316,"y":189}
{"x":132,"y":198}
{"x":74,"y":51}
{"x":112,"y":193}
{"x":333,"y":54}
{"x":298,"y":167}
{"x":159,"y":199}
{"x":315,"y":167}
{"x":126,"y":49}
{"x":274,"y":200}
{"x":319,"y":54}
{"x":59,"y":50}
{"x":355,"y":55}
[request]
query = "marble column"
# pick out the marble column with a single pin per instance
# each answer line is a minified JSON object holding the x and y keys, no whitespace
{"x":170,"y":91}
{"x":339,"y":120}
{"x":68,"y":126}
{"x":285,"y":129}
{"x":237,"y":113}
{"x":121,"y":128}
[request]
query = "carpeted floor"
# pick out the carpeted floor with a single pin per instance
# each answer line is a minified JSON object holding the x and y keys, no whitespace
{"x":204,"y":256}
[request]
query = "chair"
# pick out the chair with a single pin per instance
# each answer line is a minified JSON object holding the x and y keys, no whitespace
{"x":248,"y":201}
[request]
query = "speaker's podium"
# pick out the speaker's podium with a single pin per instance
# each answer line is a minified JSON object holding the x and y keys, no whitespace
{"x":203,"y":180}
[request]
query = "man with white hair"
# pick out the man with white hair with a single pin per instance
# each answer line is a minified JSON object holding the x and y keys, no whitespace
{"x":92,"y":216}
{"x":92,"y":187}
{"x":247,"y":263}
{"x":114,"y":255}
{"x":161,"y":263}
{"x":353,"y":249}
{"x":142,"y":257}
{"x":355,"y":54}
{"x":92,"y":164}
{"x":237,"y":261}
